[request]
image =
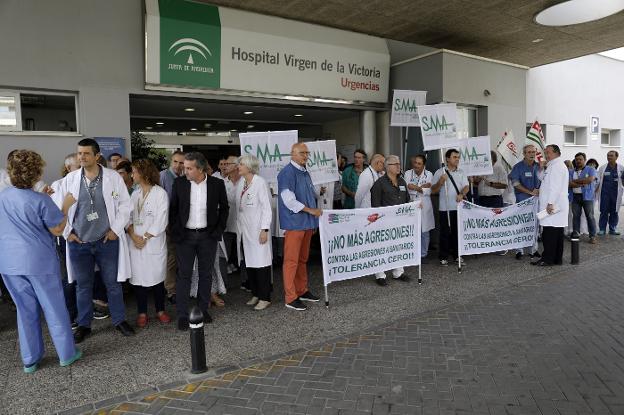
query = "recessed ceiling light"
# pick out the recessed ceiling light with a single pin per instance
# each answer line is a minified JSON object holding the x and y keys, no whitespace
{"x":207,"y":124}
{"x":148,"y":127}
{"x":298,"y":115}
{"x":160,"y":123}
{"x":189,"y":109}
{"x":233,"y":131}
{"x":193,"y":129}
{"x":578,"y":11}
{"x":250,"y":126}
{"x":537,"y":40}
{"x":248,"y":112}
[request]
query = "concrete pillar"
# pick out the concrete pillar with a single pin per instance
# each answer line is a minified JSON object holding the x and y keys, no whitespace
{"x":383,"y":134}
{"x":367,"y":131}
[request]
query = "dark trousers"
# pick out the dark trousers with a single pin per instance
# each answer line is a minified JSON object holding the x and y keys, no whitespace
{"x":491,"y":201}
{"x":552,"y":239}
{"x":260,"y":282}
{"x":159,"y":297}
{"x":229,"y":239}
{"x":448,"y":235}
{"x":69,"y":290}
{"x":202,"y":246}
{"x":608,"y":210}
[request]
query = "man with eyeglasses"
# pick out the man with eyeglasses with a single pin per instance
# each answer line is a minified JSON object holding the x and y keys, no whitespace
{"x":298,"y":215}
{"x":390,"y":190}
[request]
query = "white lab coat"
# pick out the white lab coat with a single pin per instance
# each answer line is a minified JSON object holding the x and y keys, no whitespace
{"x":149,"y":265}
{"x":554,"y":190}
{"x":118,"y":208}
{"x":326,"y":201}
{"x":601,"y":170}
{"x":254,"y":214}
{"x":276,"y":231}
{"x":428,"y":222}
{"x":362,"y":195}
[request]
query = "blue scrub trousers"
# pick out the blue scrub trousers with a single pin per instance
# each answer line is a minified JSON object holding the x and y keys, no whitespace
{"x":33,"y":294}
{"x":608,"y":209}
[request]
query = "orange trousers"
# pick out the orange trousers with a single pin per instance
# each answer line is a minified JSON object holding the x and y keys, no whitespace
{"x":294,"y":269}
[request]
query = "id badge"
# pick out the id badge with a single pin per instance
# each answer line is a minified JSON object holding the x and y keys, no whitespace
{"x":92,"y":216}
{"x":138,"y":222}
{"x":607,"y":173}
{"x":528,"y":174}
{"x":402,"y":188}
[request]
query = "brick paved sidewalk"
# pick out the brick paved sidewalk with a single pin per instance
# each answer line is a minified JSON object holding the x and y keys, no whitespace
{"x":549,"y":346}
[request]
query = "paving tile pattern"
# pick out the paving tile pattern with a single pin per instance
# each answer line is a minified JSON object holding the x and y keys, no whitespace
{"x":552,"y":346}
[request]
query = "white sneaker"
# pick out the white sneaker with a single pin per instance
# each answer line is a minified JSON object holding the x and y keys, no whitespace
{"x":262,"y":305}
{"x":253,"y":301}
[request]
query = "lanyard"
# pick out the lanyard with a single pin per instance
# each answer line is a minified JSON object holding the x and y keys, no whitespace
{"x":246,"y":187}
{"x":90,"y":188}
{"x":141,"y":201}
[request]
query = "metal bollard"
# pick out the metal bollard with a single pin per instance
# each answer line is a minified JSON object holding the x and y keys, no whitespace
{"x":198,"y":344}
{"x":574,"y":239}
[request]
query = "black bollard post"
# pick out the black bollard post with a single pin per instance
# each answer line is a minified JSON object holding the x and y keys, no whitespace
{"x":574,"y":256}
{"x":198,"y":344}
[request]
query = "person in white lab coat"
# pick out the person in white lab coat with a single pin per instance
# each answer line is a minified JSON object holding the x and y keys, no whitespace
{"x":553,"y":197}
{"x":368,"y":177}
{"x":147,"y":239}
{"x":95,"y":233}
{"x":419,"y":186}
{"x":253,"y":205}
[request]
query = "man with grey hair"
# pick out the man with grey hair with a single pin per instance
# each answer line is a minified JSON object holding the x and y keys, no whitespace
{"x":368,"y":177}
{"x":231,"y":178}
{"x":390,"y":190}
{"x":197,"y":218}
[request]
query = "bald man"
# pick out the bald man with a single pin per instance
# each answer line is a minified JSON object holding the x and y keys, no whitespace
{"x":367,"y":179}
{"x":298,"y":214}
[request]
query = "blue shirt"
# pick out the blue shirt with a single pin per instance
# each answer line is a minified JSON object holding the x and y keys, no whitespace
{"x":166,"y":181}
{"x":525,"y":175}
{"x":587,"y":189}
{"x":610,"y":179}
{"x":26,"y":245}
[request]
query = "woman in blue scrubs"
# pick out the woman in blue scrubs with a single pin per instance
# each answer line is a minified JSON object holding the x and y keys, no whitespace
{"x":28,"y":261}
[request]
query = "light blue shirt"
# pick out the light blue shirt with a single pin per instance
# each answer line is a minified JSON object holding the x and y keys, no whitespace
{"x":26,"y":245}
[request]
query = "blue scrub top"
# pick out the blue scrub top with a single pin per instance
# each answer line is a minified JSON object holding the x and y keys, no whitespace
{"x":610,"y":180}
{"x":527,"y":176}
{"x":26,"y":245}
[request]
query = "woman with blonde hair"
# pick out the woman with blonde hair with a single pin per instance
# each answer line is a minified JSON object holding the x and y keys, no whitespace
{"x":253,"y":204}
{"x":29,"y":222}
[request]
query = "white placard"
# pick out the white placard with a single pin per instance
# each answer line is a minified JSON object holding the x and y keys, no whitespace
{"x":474,"y":156}
{"x":482,"y":230}
{"x":438,"y":124}
{"x":405,"y":107}
{"x":358,"y":242}
{"x":322,"y":164}
{"x":508,"y":150}
{"x":271,"y":148}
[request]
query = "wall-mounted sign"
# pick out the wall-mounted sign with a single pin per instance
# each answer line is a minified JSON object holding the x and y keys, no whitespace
{"x":200,"y":46}
{"x":594,"y":128}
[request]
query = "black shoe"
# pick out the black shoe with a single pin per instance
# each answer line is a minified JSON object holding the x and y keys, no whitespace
{"x":297,"y":305}
{"x":100,"y":314}
{"x":207,"y":317}
{"x":519,"y":255}
{"x":404,"y":278}
{"x":171,"y":299}
{"x":381,"y":282}
{"x":541,"y":264}
{"x":245,"y":287}
{"x":81,"y":333}
{"x":308,"y":296}
{"x":535,"y":255}
{"x":183,"y":324}
{"x":125,"y":329}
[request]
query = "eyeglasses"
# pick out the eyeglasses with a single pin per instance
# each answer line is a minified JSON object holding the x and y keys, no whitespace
{"x":394,"y":164}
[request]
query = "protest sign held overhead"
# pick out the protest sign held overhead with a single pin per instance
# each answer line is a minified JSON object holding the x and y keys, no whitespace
{"x":474,"y":156}
{"x":508,"y":150}
{"x":438,"y":124}
{"x":271,"y":148}
{"x":322,"y":164}
{"x":405,"y":107}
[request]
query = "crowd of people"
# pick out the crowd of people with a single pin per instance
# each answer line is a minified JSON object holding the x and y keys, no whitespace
{"x":176,"y":233}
